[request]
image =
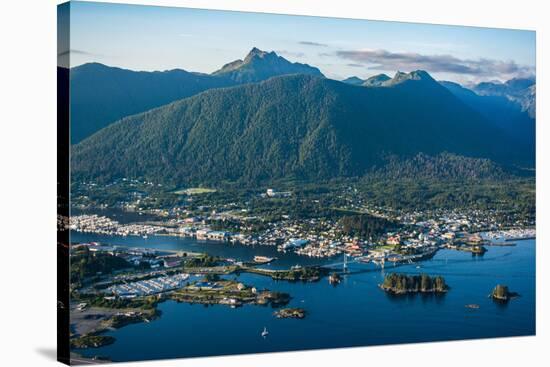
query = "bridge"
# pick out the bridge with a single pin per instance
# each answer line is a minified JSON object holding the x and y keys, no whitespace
{"x":345,"y":262}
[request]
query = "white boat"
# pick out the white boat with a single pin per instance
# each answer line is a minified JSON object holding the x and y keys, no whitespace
{"x":263,"y":259}
{"x":265,"y":332}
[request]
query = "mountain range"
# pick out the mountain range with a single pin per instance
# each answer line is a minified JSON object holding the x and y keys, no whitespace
{"x":264,"y":118}
{"x":504,"y":112}
{"x":101,"y":94}
{"x":510,"y":105}
{"x":519,"y":90}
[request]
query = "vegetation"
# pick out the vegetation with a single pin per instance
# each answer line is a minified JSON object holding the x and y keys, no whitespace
{"x":444,"y":166}
{"x":514,"y":195}
{"x":230,"y":293}
{"x":303,"y":273}
{"x":94,"y":87}
{"x":87,"y":264}
{"x":142,"y":303}
{"x":91,"y":341}
{"x":366,"y":226}
{"x":260,"y":65}
{"x":290,"y":313}
{"x":502,"y":293}
{"x":120,"y":320}
{"x":334,"y":278}
{"x":402,"y":283}
{"x":511,"y":199}
{"x":203,"y":261}
{"x":295,"y":126}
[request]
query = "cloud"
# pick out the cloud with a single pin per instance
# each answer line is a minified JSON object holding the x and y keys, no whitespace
{"x":315,"y":44}
{"x":408,"y":61}
{"x":356,"y":65}
{"x":74,"y":52}
{"x":290,"y":53}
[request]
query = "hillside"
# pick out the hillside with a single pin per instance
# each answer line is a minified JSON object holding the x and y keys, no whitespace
{"x":376,"y":80}
{"x":443,"y":166}
{"x":505,"y":113}
{"x":519,"y":90}
{"x":101,"y":94}
{"x":292,"y":126}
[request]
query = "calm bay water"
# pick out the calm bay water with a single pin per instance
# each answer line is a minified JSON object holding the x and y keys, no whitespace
{"x":354,"y":313}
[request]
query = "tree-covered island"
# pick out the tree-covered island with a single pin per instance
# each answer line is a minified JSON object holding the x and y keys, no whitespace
{"x":501,"y":293}
{"x":401,"y":284}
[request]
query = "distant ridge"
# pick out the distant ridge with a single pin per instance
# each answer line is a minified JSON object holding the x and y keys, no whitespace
{"x":376,"y":80}
{"x":519,"y":90}
{"x":353,"y":80}
{"x":506,"y":113}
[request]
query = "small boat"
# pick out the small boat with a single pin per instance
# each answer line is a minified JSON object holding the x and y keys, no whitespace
{"x":145,"y":236}
{"x":265,"y":332}
{"x":263,"y":259}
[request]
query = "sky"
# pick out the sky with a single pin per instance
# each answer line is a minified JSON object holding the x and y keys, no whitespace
{"x":161,"y":38}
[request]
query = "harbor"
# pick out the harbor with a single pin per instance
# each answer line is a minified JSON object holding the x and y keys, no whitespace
{"x":470,"y":280}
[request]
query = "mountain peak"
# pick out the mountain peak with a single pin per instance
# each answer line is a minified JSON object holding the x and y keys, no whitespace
{"x":376,"y":80}
{"x":260,"y":65}
{"x":255,"y":52}
{"x":420,"y":74}
{"x":417,"y":75}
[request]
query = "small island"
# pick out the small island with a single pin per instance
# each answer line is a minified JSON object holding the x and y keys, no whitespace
{"x":290,"y":313}
{"x":402,"y":284}
{"x":212,"y":290}
{"x":334,"y":278}
{"x":91,"y":341}
{"x":501,"y":293}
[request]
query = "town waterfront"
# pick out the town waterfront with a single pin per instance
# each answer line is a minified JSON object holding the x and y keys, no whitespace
{"x":353,"y":313}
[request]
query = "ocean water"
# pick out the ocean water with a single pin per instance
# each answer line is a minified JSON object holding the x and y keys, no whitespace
{"x":354,"y":313}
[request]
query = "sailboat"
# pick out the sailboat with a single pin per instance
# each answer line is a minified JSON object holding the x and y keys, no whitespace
{"x":265,"y":332}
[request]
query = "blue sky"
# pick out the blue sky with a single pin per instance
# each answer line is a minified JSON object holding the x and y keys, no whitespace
{"x":161,"y":38}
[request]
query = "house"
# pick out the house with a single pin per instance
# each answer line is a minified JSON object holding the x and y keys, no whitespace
{"x":273,"y":194}
{"x":393,"y":240}
{"x":449,"y":235}
{"x":202,"y":234}
{"x":217,"y":235}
